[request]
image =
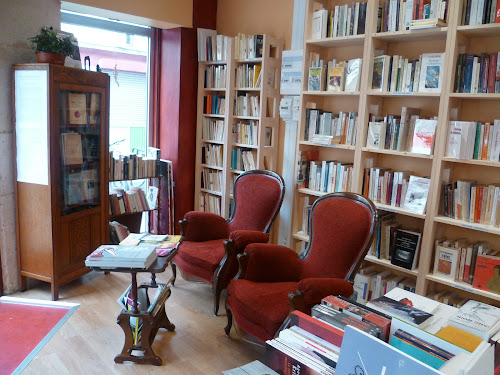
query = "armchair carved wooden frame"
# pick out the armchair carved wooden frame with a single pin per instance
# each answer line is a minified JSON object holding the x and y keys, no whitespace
{"x":209,"y":243}
{"x":274,"y":280}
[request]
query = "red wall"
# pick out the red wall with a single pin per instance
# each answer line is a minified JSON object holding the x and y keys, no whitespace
{"x":178,"y":92}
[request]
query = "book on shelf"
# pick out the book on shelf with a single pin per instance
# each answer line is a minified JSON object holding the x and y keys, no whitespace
{"x":319,"y":24}
{"x":316,"y":79}
{"x":335,"y":77}
{"x":287,"y":360}
{"x":428,"y":23}
{"x":319,"y":349}
{"x":478,"y":318}
{"x":304,"y":159}
{"x":400,"y":309}
{"x":71,"y":148}
{"x":164,"y":248}
{"x":253,"y":368}
{"x":446,"y":261}
{"x":431,"y":72}
{"x":117,"y":256}
{"x":77,"y":107}
{"x":133,"y":239}
{"x":416,"y":194}
{"x":461,"y":139}
{"x":73,"y":188}
{"x":90,"y":184}
{"x":376,"y":356}
{"x":376,"y":134}
{"x":423,"y":136}
{"x":316,"y":327}
{"x":94,"y":108}
{"x":361,"y":312}
{"x":487,"y":273}
{"x":406,"y":249}
{"x":459,"y":337}
{"x":353,"y":75}
{"x":152,"y":197}
{"x":420,"y":349}
{"x":381,"y":70}
{"x":341,"y":320}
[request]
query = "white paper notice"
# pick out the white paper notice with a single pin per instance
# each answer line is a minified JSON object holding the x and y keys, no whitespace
{"x":31,"y":126}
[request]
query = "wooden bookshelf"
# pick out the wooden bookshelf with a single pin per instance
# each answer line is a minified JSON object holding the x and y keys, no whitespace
{"x":452,"y":40}
{"x":265,"y":156}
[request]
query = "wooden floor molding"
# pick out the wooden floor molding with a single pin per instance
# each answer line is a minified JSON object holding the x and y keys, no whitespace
{"x":88,"y":342}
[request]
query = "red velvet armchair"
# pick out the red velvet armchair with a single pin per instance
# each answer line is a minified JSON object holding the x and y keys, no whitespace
{"x":204,"y":252}
{"x":274,"y":280}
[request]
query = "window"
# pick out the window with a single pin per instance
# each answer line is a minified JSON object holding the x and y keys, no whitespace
{"x":121,"y":50}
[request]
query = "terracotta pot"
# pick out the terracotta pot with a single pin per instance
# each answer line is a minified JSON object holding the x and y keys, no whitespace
{"x":50,"y":58}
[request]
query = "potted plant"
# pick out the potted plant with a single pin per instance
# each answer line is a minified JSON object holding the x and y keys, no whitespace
{"x":50,"y":47}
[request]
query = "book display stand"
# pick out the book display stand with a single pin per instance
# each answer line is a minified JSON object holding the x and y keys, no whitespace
{"x":443,"y":102}
{"x":153,"y":316}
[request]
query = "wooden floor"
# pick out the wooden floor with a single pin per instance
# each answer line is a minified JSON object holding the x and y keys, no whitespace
{"x":88,"y":342}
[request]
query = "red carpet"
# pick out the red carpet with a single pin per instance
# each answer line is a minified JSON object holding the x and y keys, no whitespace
{"x":26,"y":326}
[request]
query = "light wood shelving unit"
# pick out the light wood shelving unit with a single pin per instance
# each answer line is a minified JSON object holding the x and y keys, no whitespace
{"x":452,"y":40}
{"x":265,"y":156}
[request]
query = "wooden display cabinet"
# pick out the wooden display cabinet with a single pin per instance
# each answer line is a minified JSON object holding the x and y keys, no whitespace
{"x":61,"y":144}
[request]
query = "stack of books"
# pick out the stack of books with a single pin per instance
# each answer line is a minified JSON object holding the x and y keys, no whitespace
{"x":119,"y":256}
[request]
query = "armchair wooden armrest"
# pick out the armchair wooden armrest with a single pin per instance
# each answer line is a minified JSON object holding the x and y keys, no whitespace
{"x":203,"y":226}
{"x":269,"y":263}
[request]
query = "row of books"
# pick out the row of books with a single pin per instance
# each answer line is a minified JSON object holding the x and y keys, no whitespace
{"x":471,"y":140}
{"x":246,"y":105}
{"x":210,"y":203}
{"x":242,"y":160}
{"x":81,"y":108}
{"x":211,"y":179}
{"x":340,"y":76}
{"x":459,"y":260}
{"x":343,"y":20}
{"x":215,"y":77}
{"x":214,"y":104}
{"x":472,"y":203}
{"x":398,"y":15}
{"x":212,"y":47}
{"x":81,"y":187}
{"x":248,"y":76}
{"x":133,"y":200}
{"x":244,"y":133}
{"x":212,"y":155}
{"x":248,"y":46}
{"x":478,"y":73}
{"x":477,"y":12}
{"x":397,"y":189}
{"x":325,"y":127}
{"x":329,"y":176}
{"x":402,"y":133}
{"x":117,"y":232}
{"x":426,"y":336}
{"x":212,"y":129}
{"x":400,"y":74}
{"x":133,"y":166}
{"x":390,"y":235}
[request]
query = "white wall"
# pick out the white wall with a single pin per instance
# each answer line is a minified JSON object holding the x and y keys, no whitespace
{"x":20,"y":20}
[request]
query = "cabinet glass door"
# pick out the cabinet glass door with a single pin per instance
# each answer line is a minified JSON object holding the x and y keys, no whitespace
{"x":80,"y":140}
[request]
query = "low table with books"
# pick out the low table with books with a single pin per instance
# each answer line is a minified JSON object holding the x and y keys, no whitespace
{"x":141,"y":316}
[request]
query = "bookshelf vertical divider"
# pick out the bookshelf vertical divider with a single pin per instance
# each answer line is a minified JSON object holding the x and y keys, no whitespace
{"x":452,"y":39}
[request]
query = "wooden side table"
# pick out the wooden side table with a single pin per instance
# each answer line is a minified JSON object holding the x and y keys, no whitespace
{"x":153,"y":315}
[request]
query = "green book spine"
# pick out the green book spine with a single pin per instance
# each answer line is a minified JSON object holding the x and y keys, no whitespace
{"x":477,"y":141}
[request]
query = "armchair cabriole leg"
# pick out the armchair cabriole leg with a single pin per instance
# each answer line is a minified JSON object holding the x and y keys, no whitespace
{"x":229,"y":314}
{"x":174,"y":272}
{"x":216,"y":301}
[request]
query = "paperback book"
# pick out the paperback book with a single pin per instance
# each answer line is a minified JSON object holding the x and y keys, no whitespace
{"x":117,"y":256}
{"x":416,"y":194}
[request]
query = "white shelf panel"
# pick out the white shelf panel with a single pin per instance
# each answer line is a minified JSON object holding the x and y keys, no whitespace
{"x":412,"y":35}
{"x":338,"y":41}
{"x":462,"y":286}
{"x":387,"y":263}
{"x":484,"y":163}
{"x":344,"y":147}
{"x":398,"y":210}
{"x":464,"y":224}
{"x":397,"y":153}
